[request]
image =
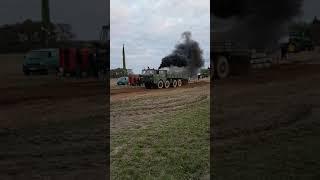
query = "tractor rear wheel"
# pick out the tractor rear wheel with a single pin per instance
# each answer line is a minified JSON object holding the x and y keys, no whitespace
{"x":160,"y":84}
{"x":222,"y":67}
{"x":167,"y":84}
{"x":174,"y":83}
{"x":179,"y":83}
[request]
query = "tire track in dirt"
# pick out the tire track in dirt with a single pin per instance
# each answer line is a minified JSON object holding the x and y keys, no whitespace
{"x":136,"y":112}
{"x":161,"y":109}
{"x":268,"y":102}
{"x":300,"y":115}
{"x":13,"y":96}
{"x":128,"y":90}
{"x":160,"y":105}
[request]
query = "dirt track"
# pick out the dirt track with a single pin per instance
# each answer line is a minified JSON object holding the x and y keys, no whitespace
{"x":263,"y":123}
{"x":269,"y":98}
{"x":135,"y":107}
{"x":50,"y":127}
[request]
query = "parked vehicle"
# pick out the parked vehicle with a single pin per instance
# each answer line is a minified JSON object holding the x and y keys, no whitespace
{"x":134,"y":80}
{"x":123,"y":81}
{"x":66,"y":61}
{"x":42,"y":60}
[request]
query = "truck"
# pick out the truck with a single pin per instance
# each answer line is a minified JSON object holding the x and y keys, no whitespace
{"x":65,"y":61}
{"x":157,"y":78}
{"x":229,"y":58}
{"x":134,"y":80}
{"x":42,"y":60}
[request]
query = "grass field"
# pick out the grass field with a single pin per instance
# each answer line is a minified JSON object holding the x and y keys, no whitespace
{"x":173,"y":147}
{"x":163,"y":134}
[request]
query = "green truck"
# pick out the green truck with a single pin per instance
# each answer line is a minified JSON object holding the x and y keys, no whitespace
{"x":153,"y":78}
{"x":42,"y":60}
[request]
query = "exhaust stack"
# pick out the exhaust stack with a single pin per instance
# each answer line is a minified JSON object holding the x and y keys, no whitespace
{"x":124,"y":59}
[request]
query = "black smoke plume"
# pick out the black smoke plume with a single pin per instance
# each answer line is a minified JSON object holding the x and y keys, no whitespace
{"x":186,"y":54}
{"x":174,"y":60}
{"x":257,"y":23}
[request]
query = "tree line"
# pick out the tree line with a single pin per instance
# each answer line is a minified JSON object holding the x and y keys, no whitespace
{"x":27,"y":35}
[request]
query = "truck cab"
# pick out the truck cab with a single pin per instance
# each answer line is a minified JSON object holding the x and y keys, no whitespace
{"x":153,"y":75}
{"x":42,"y":60}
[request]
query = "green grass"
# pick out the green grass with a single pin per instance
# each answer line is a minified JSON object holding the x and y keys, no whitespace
{"x":172,"y":147}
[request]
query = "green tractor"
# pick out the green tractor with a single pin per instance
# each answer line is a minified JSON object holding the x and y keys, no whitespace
{"x":159,"y":79}
{"x":299,"y":42}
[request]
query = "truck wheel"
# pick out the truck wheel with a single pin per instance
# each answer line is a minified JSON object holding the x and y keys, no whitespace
{"x":179,"y":83}
{"x":174,"y":83}
{"x":222,"y":67}
{"x":160,"y":84}
{"x":167,"y":84}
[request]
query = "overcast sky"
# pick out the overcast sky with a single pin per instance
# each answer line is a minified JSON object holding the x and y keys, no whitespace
{"x":311,"y":8}
{"x":151,"y":28}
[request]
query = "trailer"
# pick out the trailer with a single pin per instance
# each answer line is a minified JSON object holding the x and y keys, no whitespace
{"x":230,"y":59}
{"x":157,"y":78}
{"x":134,"y":80}
{"x":82,"y":62}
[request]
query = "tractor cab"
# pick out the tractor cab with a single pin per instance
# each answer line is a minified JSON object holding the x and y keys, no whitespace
{"x":149,"y":72}
{"x":153,"y":72}
{"x":153,"y":75}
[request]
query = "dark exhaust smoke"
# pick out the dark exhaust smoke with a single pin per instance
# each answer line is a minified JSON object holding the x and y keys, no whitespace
{"x":174,"y":60}
{"x":187,"y":54}
{"x":257,"y":23}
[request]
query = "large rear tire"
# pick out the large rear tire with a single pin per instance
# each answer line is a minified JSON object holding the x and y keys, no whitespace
{"x":174,"y":83}
{"x":167,"y":84}
{"x":160,"y":84}
{"x":179,"y":83}
{"x":222,"y":67}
